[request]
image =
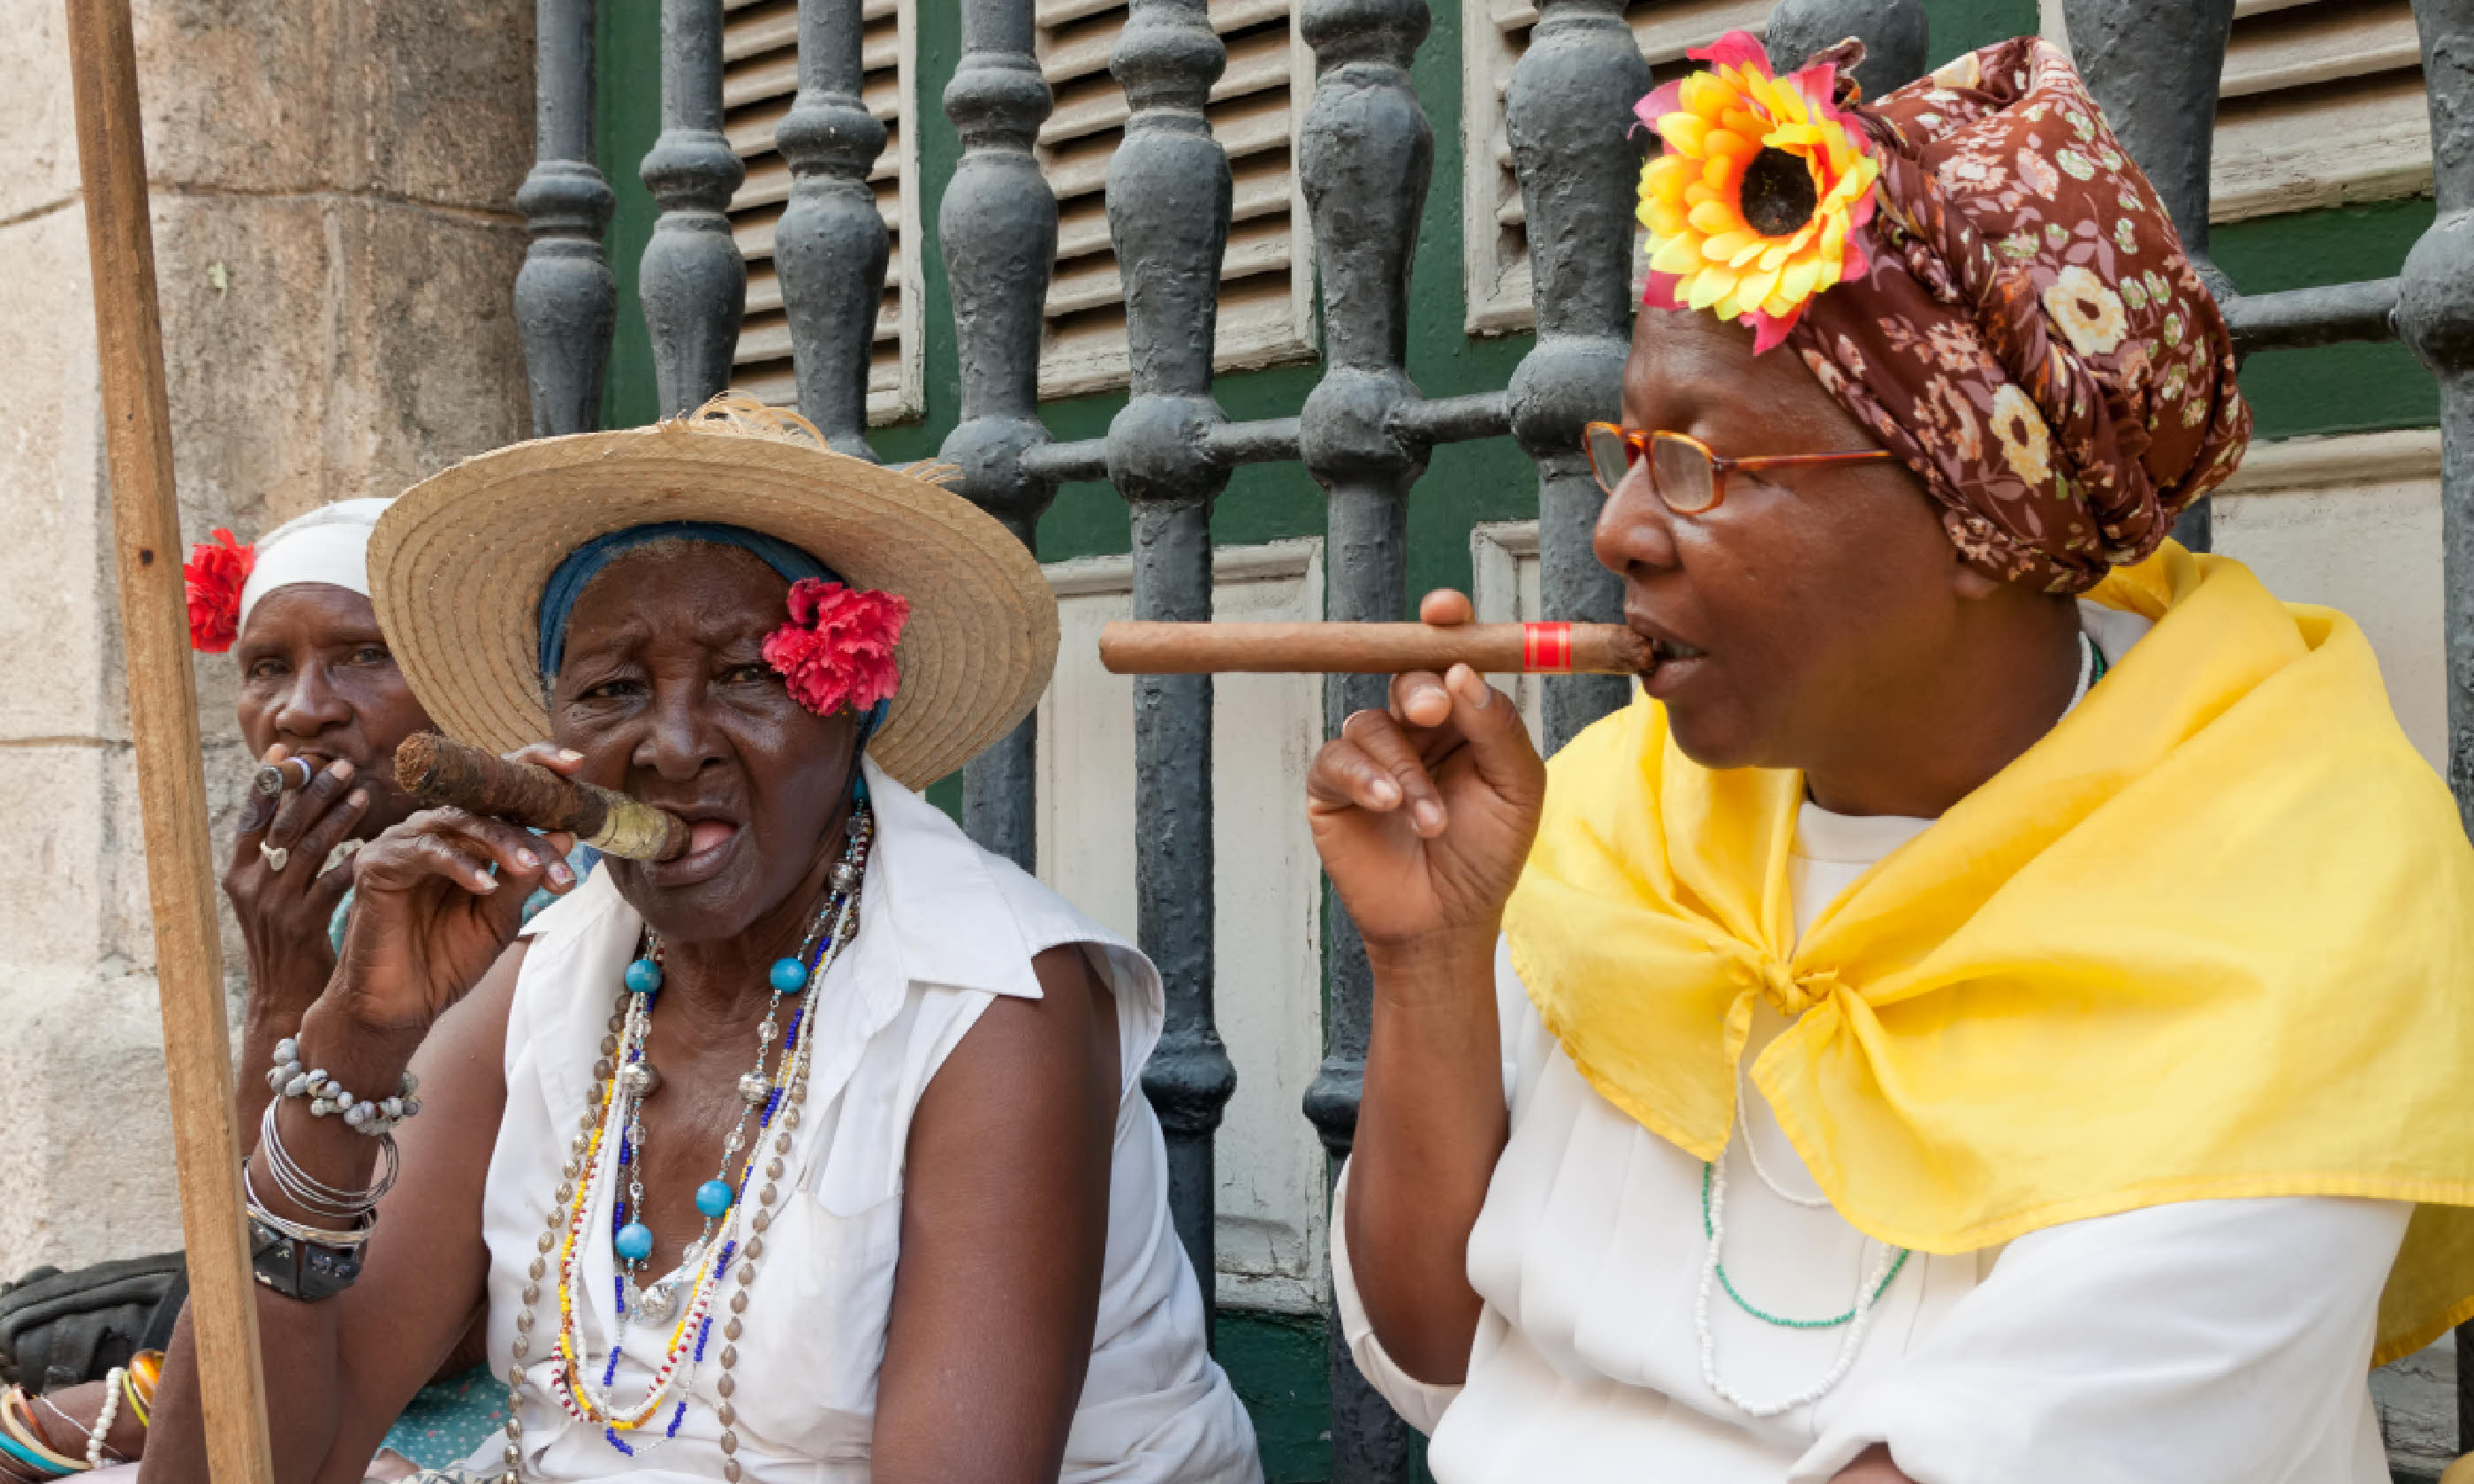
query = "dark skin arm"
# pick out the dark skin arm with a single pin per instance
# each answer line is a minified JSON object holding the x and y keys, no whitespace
{"x":425,"y":979}
{"x":1005,"y":1225}
{"x":338,"y":1372}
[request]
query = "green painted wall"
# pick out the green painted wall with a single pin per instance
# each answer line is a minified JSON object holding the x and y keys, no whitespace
{"x":1276,"y":1361}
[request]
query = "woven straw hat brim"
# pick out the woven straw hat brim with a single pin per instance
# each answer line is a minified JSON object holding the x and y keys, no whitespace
{"x":457,"y":566}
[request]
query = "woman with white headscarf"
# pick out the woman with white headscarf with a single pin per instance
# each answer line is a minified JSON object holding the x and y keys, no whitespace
{"x":318,"y":684}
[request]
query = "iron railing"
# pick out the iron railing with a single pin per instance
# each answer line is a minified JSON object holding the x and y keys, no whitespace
{"x":1365,"y":157}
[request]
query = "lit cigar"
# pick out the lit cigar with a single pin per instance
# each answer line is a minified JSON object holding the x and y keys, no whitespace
{"x":1136,"y":648}
{"x":276,"y":778}
{"x":437,"y":770}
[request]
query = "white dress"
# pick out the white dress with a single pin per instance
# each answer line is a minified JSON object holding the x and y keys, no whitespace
{"x":944,"y":929}
{"x":2213,"y":1342}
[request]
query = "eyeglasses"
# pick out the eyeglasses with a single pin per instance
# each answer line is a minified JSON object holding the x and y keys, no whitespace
{"x":1686,"y":474}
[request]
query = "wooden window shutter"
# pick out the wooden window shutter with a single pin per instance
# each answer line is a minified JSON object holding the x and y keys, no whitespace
{"x":760,"y":75}
{"x":1494,"y":35}
{"x":1267,"y":281}
{"x":2322,"y":103}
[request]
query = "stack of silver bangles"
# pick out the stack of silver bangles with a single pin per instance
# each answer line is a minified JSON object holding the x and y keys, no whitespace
{"x":288,"y":1078}
{"x":297,"y":1260}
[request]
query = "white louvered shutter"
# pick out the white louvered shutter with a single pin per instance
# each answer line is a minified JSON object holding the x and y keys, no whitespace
{"x":760,"y":72}
{"x":1266,"y":282}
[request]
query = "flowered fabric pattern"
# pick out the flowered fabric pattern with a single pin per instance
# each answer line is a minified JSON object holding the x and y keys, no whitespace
{"x":2028,"y":336}
{"x":1760,"y":197}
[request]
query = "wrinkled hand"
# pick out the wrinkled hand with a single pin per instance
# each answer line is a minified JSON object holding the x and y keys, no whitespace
{"x":1423,"y":813}
{"x":440,"y":897}
{"x":284,"y":914}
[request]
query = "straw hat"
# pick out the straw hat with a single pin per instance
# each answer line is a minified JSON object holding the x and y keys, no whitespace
{"x":457,"y":566}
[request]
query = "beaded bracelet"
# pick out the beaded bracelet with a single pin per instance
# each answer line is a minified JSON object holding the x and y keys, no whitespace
{"x":289,"y":1077}
{"x":104,"y":1419}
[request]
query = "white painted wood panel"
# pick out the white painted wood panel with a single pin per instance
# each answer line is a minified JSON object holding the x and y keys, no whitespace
{"x":1265,"y":731}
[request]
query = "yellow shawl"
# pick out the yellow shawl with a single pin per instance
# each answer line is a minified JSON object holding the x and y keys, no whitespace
{"x":2211,"y":937}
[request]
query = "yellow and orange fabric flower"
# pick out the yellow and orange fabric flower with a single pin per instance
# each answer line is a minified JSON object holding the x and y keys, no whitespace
{"x":1759,"y":200}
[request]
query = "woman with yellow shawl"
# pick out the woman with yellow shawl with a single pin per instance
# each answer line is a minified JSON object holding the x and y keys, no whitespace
{"x":1995,"y":1009}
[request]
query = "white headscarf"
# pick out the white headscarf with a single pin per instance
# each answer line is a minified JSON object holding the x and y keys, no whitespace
{"x":330,"y":544}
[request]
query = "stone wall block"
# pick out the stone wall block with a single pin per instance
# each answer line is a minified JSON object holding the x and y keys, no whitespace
{"x":53,"y":559}
{"x":35,"y":115}
{"x":88,"y":1163}
{"x":328,"y":349}
{"x":429,"y":103}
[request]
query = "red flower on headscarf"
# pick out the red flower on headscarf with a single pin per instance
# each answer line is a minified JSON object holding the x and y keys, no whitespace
{"x":216,"y":571}
{"x":838,"y":648}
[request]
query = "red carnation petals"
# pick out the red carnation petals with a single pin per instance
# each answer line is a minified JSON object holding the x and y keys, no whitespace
{"x":217,"y":571}
{"x":837,"y":649}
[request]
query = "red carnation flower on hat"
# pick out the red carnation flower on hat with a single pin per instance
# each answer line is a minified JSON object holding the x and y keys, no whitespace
{"x":838,"y":648}
{"x":217,"y":570}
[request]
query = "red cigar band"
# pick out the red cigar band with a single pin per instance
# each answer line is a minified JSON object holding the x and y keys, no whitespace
{"x":1546,"y":649}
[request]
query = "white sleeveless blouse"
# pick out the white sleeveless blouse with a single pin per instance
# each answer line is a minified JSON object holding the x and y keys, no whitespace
{"x":944,"y":929}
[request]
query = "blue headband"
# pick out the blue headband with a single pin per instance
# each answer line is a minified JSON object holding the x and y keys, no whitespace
{"x":568,"y":580}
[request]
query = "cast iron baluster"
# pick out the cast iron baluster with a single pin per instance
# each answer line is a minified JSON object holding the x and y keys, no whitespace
{"x":2435,"y":312}
{"x":2154,"y":66}
{"x":1168,"y":216}
{"x":1895,"y":34}
{"x":830,"y":247}
{"x":1365,"y":155}
{"x":566,"y":300}
{"x":1568,"y":112}
{"x":998,"y":223}
{"x":693,"y":282}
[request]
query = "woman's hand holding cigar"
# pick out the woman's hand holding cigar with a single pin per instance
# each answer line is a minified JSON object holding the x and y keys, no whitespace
{"x":438,"y":900}
{"x":282,"y":890}
{"x":1423,"y":812}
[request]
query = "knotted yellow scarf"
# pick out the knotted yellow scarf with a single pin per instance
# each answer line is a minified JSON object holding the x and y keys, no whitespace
{"x":2211,"y":937}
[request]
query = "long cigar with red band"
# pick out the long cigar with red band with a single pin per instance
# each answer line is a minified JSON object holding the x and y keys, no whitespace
{"x":439,"y":769}
{"x":1140,"y":648}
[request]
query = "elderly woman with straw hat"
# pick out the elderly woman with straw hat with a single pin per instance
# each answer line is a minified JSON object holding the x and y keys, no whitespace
{"x":815,"y":1153}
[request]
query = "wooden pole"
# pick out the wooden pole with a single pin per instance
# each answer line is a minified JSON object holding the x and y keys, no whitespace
{"x":163,"y":726}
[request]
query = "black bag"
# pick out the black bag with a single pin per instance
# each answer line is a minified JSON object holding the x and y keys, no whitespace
{"x":59,"y":1329}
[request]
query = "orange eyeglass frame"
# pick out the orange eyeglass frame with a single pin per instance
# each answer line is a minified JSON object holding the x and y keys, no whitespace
{"x":1637,"y":444}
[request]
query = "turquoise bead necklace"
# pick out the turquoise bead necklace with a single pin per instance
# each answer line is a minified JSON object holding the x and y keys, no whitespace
{"x":1708,"y":1230}
{"x":631,"y":1239}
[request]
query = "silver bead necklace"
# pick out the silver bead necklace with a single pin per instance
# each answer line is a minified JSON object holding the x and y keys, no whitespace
{"x":612,"y":1109}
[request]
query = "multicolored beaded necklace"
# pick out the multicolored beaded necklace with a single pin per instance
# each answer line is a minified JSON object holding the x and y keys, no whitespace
{"x":734,"y":1227}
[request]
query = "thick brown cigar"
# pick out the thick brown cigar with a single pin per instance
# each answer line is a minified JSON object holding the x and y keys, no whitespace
{"x":1131,"y":648}
{"x":439,"y":769}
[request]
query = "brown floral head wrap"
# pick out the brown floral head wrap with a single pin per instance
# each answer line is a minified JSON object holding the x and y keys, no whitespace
{"x":2017,"y":320}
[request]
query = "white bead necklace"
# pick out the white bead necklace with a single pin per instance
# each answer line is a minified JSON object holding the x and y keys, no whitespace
{"x":1866,"y":1297}
{"x":1752,"y":1149}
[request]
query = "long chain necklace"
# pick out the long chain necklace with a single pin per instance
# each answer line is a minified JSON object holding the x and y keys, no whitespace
{"x":614,"y":1113}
